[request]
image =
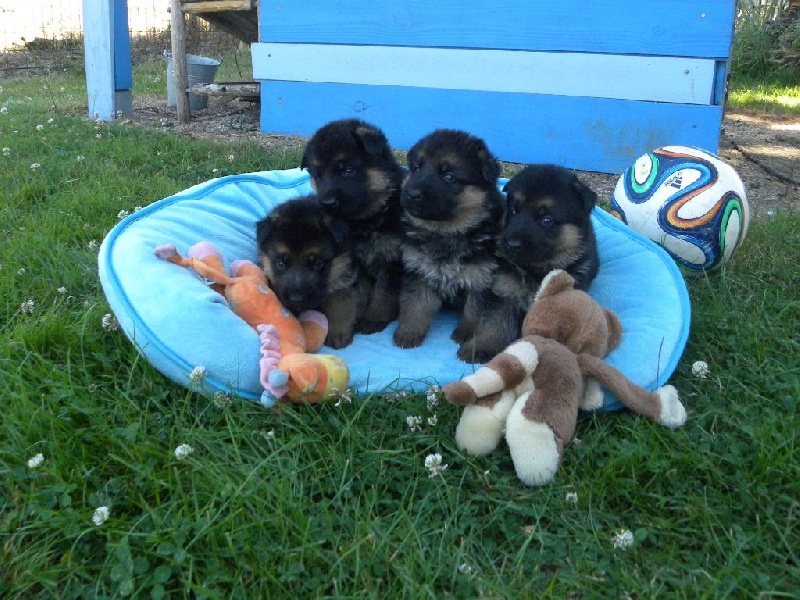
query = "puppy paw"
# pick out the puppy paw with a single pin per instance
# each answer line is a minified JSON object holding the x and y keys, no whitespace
{"x":367,"y":326}
{"x":408,"y":339}
{"x":468,"y":353}
{"x":462,"y":333}
{"x":338,"y":338}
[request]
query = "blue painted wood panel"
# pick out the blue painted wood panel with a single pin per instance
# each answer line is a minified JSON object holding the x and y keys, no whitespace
{"x":123,"y":66}
{"x":694,"y":28}
{"x":584,"y":133}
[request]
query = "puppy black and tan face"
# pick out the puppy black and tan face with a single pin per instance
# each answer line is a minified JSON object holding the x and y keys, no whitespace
{"x":299,"y":249}
{"x":548,"y":222}
{"x":352,"y":168}
{"x":451,"y":182}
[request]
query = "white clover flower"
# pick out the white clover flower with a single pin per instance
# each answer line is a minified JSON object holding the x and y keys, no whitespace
{"x":62,"y":290}
{"x":137,"y":208}
{"x":110,"y":322}
{"x":182,"y":451}
{"x":432,"y":396}
{"x":433,"y":462}
{"x":3,"y":110}
{"x":572,"y":498}
{"x":92,"y":245}
{"x":623,"y":539}
{"x":21,"y":271}
{"x":222,"y":399}
{"x":230,"y":158}
{"x":414,"y":423}
{"x":50,"y":120}
{"x":433,"y":420}
{"x":100,"y":515}
{"x":27,"y":306}
{"x":466,"y":569}
{"x":198,"y":374}
{"x":35,"y":166}
{"x":342,"y":397}
{"x":39,"y":127}
{"x":700,"y":369}
{"x":6,"y":151}
{"x":215,"y":170}
{"x":122,"y":214}
{"x":81,"y":158}
{"x":35,"y":461}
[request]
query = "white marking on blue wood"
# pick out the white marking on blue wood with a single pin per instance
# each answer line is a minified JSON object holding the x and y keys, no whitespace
{"x":624,"y":77}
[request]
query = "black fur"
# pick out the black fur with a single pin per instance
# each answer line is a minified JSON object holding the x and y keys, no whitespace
{"x":305,"y":255}
{"x":358,"y":180}
{"x":548,"y":227}
{"x":453,"y":213}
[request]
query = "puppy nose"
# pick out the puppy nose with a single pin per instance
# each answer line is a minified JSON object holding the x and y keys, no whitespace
{"x":414,"y":194}
{"x":296,"y":296}
{"x":512,"y":243}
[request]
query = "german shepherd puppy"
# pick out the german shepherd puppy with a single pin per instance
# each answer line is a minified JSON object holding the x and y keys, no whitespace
{"x":358,"y":180}
{"x":453,"y":213}
{"x":305,"y":255}
{"x":548,"y":227}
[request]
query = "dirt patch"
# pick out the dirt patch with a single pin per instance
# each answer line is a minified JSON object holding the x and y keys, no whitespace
{"x":764,"y":150}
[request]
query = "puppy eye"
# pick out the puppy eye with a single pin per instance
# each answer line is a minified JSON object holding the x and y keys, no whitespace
{"x":315,"y":263}
{"x":449,"y":177}
{"x":546,"y":221}
{"x":279,"y":264}
{"x":413,"y":167}
{"x":347,"y":171}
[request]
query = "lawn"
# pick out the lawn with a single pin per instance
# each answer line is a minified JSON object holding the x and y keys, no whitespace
{"x":115,"y":482}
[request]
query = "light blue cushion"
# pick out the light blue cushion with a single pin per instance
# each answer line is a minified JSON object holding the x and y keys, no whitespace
{"x":178,"y":323}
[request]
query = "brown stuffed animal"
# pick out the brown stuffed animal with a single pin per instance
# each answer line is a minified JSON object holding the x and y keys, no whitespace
{"x":534,"y":388}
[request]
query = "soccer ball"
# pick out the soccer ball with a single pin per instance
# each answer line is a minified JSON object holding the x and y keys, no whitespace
{"x":689,"y":201}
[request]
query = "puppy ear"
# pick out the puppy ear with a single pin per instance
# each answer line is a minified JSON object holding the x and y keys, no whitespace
{"x":372,"y":140}
{"x":490,"y":166}
{"x":586,"y":194}
{"x":263,"y":229}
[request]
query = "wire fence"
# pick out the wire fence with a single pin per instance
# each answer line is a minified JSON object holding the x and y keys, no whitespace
{"x":48,"y":34}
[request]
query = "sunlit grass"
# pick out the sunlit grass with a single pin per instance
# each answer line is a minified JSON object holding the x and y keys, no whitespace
{"x":778,"y":97}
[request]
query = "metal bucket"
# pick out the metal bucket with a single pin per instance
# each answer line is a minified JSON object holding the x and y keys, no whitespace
{"x":199,"y":69}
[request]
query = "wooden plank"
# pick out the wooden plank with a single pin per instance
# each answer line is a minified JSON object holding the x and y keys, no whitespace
{"x":210,"y":6}
{"x":581,"y":133}
{"x":98,"y":44}
{"x":235,"y":89}
{"x":649,"y":78}
{"x":178,"y":42}
{"x":696,"y":28}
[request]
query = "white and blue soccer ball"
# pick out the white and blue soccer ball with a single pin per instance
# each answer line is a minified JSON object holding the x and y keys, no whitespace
{"x":689,"y":201}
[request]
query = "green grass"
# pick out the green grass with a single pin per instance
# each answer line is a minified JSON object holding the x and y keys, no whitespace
{"x":777,"y":96}
{"x":335,"y":501}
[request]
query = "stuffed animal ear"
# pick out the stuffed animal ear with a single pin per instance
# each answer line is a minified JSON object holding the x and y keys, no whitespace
{"x":371,"y":139}
{"x":555,"y":282}
{"x":614,"y":329}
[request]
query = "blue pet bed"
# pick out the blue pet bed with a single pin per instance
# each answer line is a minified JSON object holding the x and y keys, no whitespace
{"x":178,"y":323}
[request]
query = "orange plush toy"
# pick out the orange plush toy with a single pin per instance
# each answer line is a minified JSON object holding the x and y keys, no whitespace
{"x":288,"y":371}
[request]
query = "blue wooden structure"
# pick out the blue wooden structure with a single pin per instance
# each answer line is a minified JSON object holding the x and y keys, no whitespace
{"x":107,"y":58}
{"x":587,"y":85}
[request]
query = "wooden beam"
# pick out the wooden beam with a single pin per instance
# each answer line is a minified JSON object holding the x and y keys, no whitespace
{"x":178,"y":40}
{"x":215,"y":6}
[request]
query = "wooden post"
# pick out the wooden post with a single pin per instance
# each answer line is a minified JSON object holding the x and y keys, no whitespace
{"x":178,"y":40}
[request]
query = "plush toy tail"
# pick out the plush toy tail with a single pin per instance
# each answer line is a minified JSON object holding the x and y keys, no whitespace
{"x":505,"y":371}
{"x":663,"y":405}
